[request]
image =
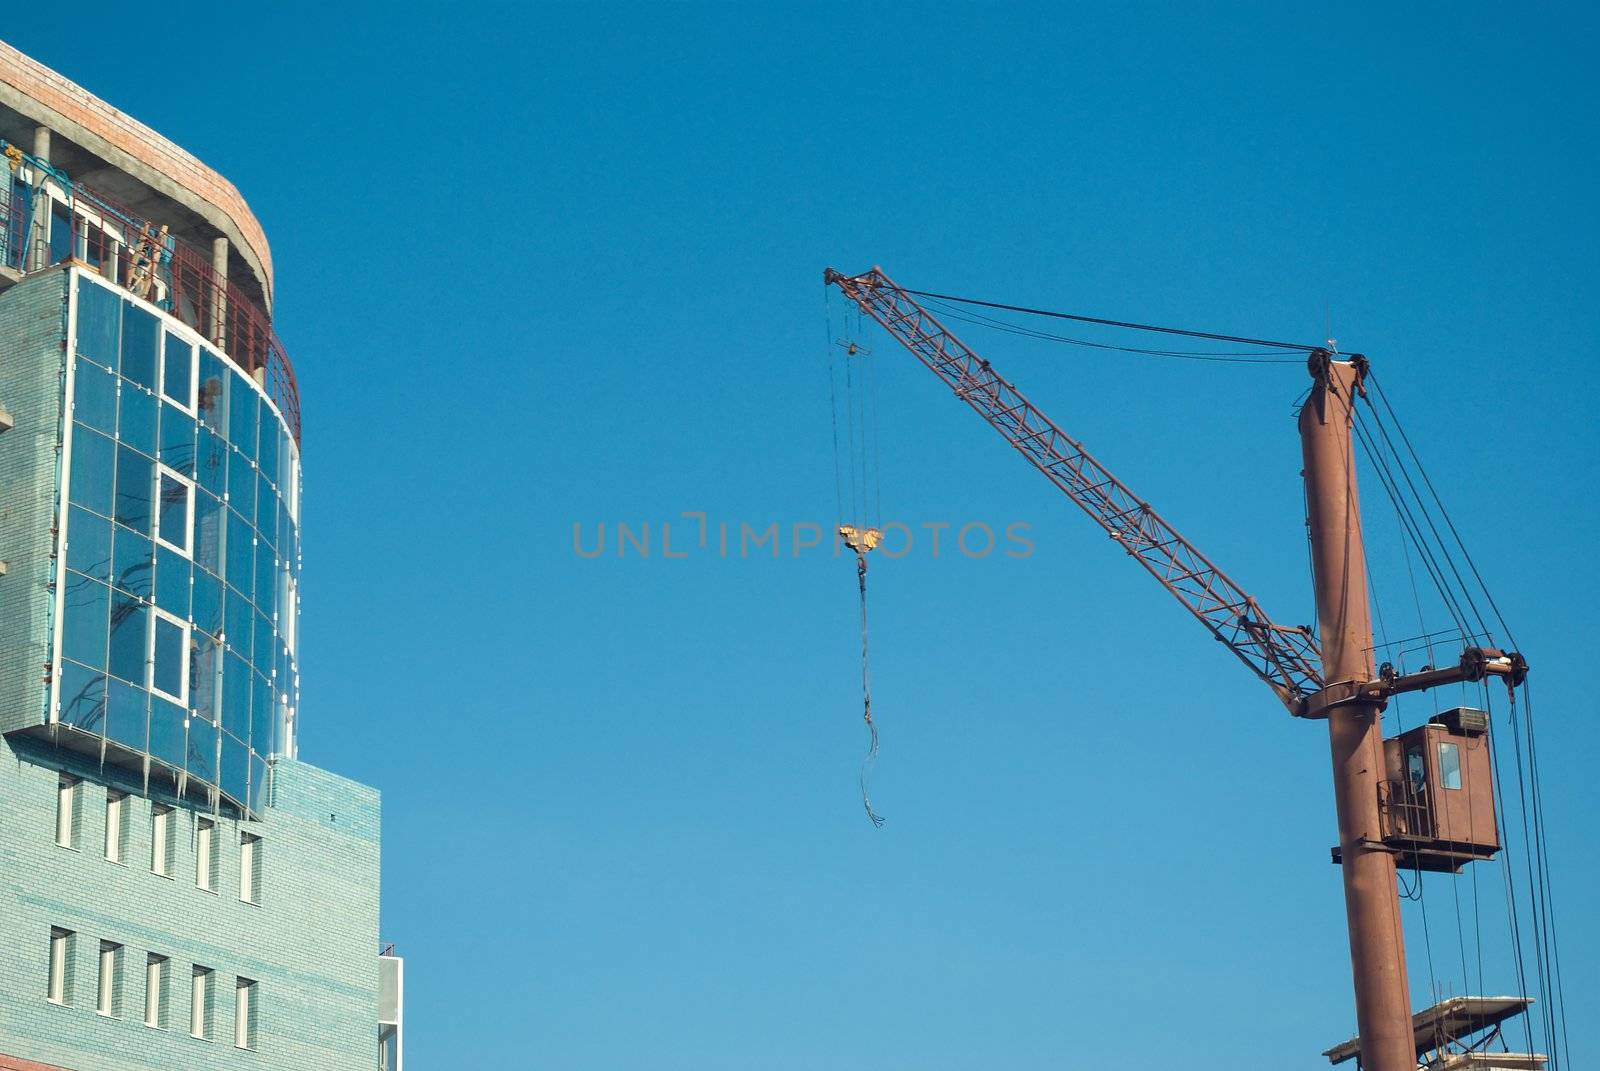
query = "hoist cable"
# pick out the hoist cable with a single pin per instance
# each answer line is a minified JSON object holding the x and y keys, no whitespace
{"x":1119,"y":323}
{"x":871,"y":758}
{"x":1247,"y":357}
{"x":833,"y":410}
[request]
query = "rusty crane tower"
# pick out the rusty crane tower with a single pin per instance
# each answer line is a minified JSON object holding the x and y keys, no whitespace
{"x":1424,"y":798}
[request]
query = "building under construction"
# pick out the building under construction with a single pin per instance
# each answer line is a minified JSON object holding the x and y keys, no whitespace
{"x":179,"y":889}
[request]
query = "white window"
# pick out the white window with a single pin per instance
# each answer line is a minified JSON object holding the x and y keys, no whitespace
{"x":200,"y":1003}
{"x":174,"y":510}
{"x":67,"y":811}
{"x":204,"y":858}
{"x":161,"y":839}
{"x":169,"y":656}
{"x":244,"y":1014}
{"x":155,"y":991}
{"x":109,"y":991}
{"x":116,"y":832}
{"x":59,"y":991}
{"x":249,"y":867}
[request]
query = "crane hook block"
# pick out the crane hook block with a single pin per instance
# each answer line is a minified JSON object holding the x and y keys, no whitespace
{"x":860,"y":540}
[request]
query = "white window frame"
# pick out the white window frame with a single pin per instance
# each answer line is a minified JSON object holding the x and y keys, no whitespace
{"x":67,"y":811}
{"x":205,"y":851}
{"x":155,"y":978}
{"x":161,"y":840}
{"x":116,"y":824}
{"x":186,"y":548}
{"x":60,"y":963}
{"x":200,"y":1003}
{"x":249,"y":868}
{"x":189,"y":404}
{"x":150,"y":661}
{"x":244,"y":1000}
{"x":108,"y":983}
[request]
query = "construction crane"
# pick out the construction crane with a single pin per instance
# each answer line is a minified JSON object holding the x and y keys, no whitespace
{"x":1383,"y":808}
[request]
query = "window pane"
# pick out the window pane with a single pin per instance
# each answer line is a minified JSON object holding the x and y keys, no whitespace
{"x":271,"y":447}
{"x":172,"y":583}
{"x":137,"y":427}
{"x":129,"y":627}
{"x":132,"y":562}
{"x":127,"y":714}
{"x":242,"y":408}
{"x":213,"y":391}
{"x":94,"y":397}
{"x":236,"y":695}
{"x":166,"y":733}
{"x":172,"y":522}
{"x":171,"y":652}
{"x":205,"y":661}
{"x":99,"y":323}
{"x":202,"y":752}
{"x":242,"y":486}
{"x":93,"y":467}
{"x":89,"y":543}
{"x":208,"y":522}
{"x":86,"y":627}
{"x":212,"y":462}
{"x":235,"y":767}
{"x":207,"y":602}
{"x":177,"y":440}
{"x":241,"y":556}
{"x":261,"y":648}
{"x":140,"y":333}
{"x":177,"y":370}
{"x":83,"y":697}
{"x":237,"y":625}
{"x":1449,"y":766}
{"x":135,"y":482}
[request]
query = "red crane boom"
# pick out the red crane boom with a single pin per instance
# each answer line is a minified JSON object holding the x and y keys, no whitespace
{"x":1285,"y":657}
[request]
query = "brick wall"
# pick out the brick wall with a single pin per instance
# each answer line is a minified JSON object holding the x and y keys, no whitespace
{"x":310,"y":944}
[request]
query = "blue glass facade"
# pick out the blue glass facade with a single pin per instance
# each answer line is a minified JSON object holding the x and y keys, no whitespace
{"x":178,"y":594}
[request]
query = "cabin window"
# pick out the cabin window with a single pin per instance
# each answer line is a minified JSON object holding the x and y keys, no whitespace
{"x":1449,"y":766}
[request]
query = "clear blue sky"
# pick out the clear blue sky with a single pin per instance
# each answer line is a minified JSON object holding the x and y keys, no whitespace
{"x":540,"y":265}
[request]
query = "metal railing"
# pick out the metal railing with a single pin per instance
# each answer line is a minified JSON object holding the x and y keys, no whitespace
{"x":79,"y":225}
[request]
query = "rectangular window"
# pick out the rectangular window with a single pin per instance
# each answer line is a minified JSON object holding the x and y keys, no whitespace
{"x":155,"y":991}
{"x":108,"y":994}
{"x":200,"y":1003}
{"x":249,"y":868}
{"x":244,"y":1014}
{"x":1449,"y":766}
{"x":177,"y":371}
{"x":161,"y":839}
{"x":67,"y":811}
{"x":169,"y":657}
{"x":174,"y":509}
{"x":205,"y":876}
{"x":60,"y":987}
{"x":116,"y":827}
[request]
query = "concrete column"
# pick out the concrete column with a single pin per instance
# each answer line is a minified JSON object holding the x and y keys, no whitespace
{"x":219,"y":294}
{"x":37,"y":255}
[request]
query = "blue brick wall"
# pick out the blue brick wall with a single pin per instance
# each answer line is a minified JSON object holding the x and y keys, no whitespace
{"x":32,"y":334}
{"x":310,"y":943}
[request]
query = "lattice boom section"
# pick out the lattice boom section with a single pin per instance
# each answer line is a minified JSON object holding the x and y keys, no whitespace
{"x":1286,"y":659}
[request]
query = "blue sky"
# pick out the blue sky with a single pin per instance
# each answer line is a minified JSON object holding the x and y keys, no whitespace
{"x":551,"y":265}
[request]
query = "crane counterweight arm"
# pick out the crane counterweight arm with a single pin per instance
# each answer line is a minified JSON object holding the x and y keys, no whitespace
{"x":1286,"y":658}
